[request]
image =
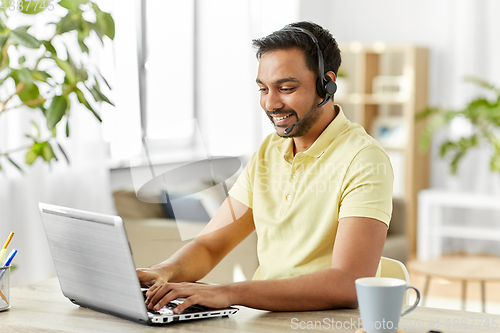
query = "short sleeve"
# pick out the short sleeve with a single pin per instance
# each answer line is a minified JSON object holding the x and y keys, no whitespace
{"x":367,"y":186}
{"x":242,"y":190}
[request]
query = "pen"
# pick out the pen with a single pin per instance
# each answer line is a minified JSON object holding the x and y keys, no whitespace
{"x":8,"y":261}
{"x":3,"y":297}
{"x":9,"y":258}
{"x":6,"y":264}
{"x":3,"y":251}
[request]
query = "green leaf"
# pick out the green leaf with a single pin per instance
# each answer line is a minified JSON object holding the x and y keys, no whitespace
{"x":83,"y":46}
{"x":30,"y":93}
{"x":66,"y":67}
{"x":83,"y":100}
{"x":495,"y":162}
{"x":25,"y":39}
{"x":70,"y":61}
{"x":38,"y":147}
{"x":82,"y":74}
{"x":98,"y":95}
{"x":22,"y":60}
{"x":3,"y":40}
{"x":48,"y":152}
{"x":40,"y":75}
{"x":56,"y":110}
{"x":102,"y":77}
{"x":31,"y":156}
{"x":15,"y":164}
{"x":4,"y":79}
{"x":97,"y":30}
{"x":24,"y":76}
{"x":49,"y":47}
{"x":67,"y":127}
{"x":29,"y":7}
{"x":104,"y":22}
{"x":481,"y":82}
{"x":24,"y":28}
{"x":68,"y":23}
{"x":63,"y":152}
{"x":109,"y":25}
{"x":70,"y":4}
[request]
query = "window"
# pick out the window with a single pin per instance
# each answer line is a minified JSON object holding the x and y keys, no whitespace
{"x":167,"y":67}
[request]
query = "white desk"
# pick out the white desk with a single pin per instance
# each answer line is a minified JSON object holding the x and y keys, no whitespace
{"x":431,"y":229}
{"x":41,"y":308}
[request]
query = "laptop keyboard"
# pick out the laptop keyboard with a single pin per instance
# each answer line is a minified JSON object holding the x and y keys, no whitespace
{"x":169,"y":308}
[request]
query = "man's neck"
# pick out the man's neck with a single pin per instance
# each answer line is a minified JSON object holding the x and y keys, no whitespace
{"x":303,"y":143}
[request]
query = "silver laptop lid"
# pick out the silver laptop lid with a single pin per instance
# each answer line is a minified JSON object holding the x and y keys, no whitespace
{"x":93,"y":261}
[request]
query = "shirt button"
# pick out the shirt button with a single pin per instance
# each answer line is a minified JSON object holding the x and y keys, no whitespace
{"x":289,"y":197}
{"x":294,"y":176}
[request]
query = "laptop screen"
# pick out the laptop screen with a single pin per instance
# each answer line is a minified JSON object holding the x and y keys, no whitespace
{"x":93,"y":261}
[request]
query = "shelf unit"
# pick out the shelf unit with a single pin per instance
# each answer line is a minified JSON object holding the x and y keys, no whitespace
{"x":383,"y":88}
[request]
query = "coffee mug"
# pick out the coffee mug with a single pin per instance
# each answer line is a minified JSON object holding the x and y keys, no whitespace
{"x":380,"y":300}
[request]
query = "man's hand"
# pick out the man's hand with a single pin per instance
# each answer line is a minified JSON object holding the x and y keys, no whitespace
{"x":149,"y":277}
{"x":213,"y":296}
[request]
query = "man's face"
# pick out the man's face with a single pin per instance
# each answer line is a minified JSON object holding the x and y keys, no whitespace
{"x":288,"y":91}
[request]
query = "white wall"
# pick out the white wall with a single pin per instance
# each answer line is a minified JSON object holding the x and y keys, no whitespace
{"x":462,"y":36}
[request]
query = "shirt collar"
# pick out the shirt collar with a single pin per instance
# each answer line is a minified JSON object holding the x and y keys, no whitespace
{"x":322,"y":142}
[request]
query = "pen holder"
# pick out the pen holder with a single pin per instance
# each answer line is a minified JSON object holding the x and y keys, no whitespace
{"x":4,"y":288}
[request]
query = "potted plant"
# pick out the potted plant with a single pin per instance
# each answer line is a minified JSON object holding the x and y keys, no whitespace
{"x":29,"y":69}
{"x":482,"y":113}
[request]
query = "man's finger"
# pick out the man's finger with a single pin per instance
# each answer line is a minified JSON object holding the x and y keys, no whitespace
{"x":184,"y":305}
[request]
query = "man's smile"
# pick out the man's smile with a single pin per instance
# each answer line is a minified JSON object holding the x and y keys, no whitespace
{"x":280,"y":119}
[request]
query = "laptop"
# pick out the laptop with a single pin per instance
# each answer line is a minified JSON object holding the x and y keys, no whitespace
{"x":94,"y":264}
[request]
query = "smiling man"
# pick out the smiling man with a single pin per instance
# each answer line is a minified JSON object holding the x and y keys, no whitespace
{"x":318,"y":193}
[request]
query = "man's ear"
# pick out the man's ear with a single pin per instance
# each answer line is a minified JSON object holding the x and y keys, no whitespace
{"x":332,"y":75}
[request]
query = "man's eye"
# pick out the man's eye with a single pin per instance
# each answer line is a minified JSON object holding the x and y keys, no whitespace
{"x":262,"y":90}
{"x":286,"y":89}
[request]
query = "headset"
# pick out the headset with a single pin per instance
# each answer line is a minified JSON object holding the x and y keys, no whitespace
{"x":325,"y":86}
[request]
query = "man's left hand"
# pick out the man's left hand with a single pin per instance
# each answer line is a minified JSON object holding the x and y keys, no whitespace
{"x":213,"y":296}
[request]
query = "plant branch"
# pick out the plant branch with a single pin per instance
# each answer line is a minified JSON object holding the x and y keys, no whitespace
{"x":4,"y":54}
{"x":19,"y":87}
{"x":7,"y":153}
{"x":28,"y":103}
{"x":15,"y":150}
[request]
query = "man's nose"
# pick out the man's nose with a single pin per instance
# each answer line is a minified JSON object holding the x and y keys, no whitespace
{"x":273,"y":101}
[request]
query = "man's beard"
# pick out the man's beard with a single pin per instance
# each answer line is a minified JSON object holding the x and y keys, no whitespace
{"x":300,"y":129}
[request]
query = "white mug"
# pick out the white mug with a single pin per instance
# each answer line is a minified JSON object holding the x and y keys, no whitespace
{"x":380,"y":301}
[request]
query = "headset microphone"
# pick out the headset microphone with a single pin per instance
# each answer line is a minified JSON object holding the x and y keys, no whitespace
{"x":327,"y":98}
{"x":325,"y":86}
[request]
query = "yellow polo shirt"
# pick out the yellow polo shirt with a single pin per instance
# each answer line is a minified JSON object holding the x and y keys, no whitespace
{"x":298,"y":200}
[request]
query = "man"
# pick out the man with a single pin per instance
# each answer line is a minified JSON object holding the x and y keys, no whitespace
{"x":318,"y":196}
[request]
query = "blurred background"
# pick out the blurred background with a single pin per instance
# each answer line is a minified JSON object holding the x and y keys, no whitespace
{"x":182,"y":89}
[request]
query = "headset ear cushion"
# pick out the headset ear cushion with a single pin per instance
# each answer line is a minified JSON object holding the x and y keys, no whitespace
{"x":320,"y":88}
{"x":330,"y":86}
{"x":326,"y":86}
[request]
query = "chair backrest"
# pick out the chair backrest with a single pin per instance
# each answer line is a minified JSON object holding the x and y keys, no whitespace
{"x":395,"y":269}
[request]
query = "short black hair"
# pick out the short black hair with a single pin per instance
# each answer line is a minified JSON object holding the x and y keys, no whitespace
{"x":282,"y":40}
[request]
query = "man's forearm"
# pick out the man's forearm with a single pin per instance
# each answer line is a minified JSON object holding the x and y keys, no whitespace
{"x":326,"y":289}
{"x":189,"y":264}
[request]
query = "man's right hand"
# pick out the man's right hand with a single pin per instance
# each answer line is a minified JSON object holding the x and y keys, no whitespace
{"x":149,"y":277}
